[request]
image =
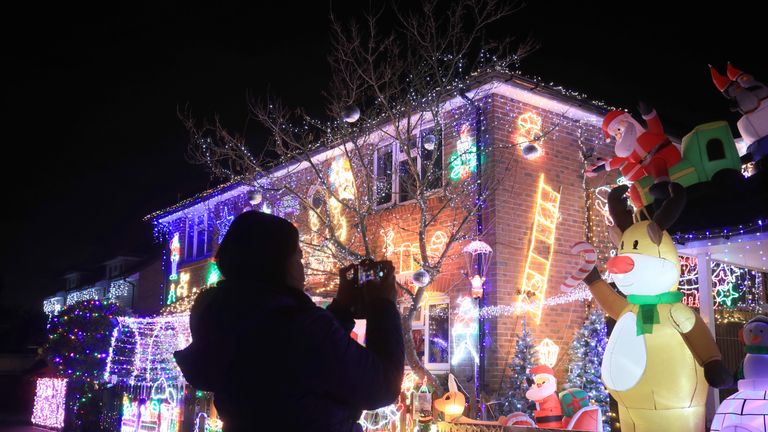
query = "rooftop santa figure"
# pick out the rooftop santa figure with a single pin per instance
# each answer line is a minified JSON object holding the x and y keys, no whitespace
{"x":639,"y":151}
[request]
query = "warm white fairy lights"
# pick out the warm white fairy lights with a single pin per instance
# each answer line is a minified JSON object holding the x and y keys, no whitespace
{"x":142,"y":349}
{"x":542,"y":246}
{"x":49,"y":405}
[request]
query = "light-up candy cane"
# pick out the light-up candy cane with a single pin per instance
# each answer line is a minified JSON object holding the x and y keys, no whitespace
{"x":587,"y":263}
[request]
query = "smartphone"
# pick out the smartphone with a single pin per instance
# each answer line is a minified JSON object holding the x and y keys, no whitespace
{"x":369,"y":271}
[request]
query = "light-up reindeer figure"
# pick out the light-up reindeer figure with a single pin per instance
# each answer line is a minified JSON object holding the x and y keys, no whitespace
{"x":464,"y":330}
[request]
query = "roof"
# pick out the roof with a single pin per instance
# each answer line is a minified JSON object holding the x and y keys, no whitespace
{"x":226,"y":189}
{"x":513,"y":85}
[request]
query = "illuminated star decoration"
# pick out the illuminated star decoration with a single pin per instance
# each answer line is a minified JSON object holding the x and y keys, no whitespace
{"x":224,"y":223}
{"x":725,"y":287}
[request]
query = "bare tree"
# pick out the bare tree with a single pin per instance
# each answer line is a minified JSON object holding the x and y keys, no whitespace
{"x":399,"y":82}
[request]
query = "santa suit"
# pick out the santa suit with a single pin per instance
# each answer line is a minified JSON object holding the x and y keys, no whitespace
{"x":652,"y":154}
{"x":548,"y":412}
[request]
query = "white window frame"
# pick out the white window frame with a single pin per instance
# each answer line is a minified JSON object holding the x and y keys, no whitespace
{"x":191,"y":221}
{"x":398,"y":156}
{"x":421,"y":322}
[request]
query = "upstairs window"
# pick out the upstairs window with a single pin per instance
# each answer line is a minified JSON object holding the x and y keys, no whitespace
{"x":397,"y":168}
{"x":199,"y":239}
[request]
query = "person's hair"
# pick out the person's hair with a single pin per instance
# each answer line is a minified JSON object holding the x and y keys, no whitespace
{"x":258,"y":246}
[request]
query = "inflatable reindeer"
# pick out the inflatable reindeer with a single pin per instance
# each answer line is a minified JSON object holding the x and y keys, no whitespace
{"x":660,"y":355}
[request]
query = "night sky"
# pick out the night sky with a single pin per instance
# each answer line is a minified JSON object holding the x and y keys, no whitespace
{"x":92,"y":141}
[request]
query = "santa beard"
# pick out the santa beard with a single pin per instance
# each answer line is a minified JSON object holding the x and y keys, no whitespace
{"x":536,"y":393}
{"x":626,"y":144}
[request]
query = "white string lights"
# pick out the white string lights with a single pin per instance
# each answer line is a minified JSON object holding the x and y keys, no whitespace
{"x":118,"y":288}
{"x":142,"y":349}
{"x":86,"y":294}
{"x":49,"y":406}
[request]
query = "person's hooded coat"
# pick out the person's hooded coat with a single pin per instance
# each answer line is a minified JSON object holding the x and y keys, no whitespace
{"x":271,"y":356}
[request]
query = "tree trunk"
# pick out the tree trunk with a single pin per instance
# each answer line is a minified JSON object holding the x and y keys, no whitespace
{"x":412,"y":359}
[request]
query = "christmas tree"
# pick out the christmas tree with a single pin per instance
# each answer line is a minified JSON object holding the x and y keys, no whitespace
{"x":586,"y":356}
{"x":520,"y":367}
{"x":78,"y":346}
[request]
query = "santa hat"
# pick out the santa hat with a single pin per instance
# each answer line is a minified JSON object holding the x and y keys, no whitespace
{"x":542,"y":370}
{"x":721,"y":82}
{"x":732,"y":72}
{"x":609,"y":119}
{"x":756,"y":319}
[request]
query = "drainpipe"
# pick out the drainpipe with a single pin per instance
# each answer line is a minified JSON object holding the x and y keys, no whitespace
{"x":481,"y":303}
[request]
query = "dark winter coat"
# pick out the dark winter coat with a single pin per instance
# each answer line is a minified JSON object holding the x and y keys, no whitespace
{"x":275,"y":359}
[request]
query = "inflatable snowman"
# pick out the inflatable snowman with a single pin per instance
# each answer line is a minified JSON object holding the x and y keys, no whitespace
{"x":747,"y":410}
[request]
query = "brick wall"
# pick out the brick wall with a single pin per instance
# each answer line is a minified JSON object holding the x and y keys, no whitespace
{"x":507,"y":217}
{"x":510,"y":220}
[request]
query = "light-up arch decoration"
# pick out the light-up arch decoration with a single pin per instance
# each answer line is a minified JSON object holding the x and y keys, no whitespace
{"x":142,"y":349}
{"x":534,"y":286}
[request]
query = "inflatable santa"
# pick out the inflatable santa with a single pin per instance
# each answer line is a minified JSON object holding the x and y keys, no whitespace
{"x":639,"y":151}
{"x":543,"y":391}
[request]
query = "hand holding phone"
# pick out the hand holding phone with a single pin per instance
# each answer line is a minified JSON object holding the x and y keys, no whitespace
{"x":380,"y":281}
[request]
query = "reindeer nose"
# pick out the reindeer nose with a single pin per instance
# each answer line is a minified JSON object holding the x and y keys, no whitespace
{"x":620,"y":264}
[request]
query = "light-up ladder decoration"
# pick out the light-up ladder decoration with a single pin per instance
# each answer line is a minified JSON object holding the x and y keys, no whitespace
{"x":534,"y":286}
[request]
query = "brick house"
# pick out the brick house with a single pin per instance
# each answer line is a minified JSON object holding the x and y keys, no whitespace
{"x":512,"y":110}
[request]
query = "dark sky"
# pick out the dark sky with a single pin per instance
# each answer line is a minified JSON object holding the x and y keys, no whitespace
{"x":92,"y":142}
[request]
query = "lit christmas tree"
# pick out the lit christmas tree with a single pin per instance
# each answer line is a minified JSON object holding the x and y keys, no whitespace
{"x":79,"y":343}
{"x":586,"y":356}
{"x":523,"y":361}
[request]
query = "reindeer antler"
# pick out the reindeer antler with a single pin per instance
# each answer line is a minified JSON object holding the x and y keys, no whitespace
{"x":617,"y":207}
{"x":672,"y":207}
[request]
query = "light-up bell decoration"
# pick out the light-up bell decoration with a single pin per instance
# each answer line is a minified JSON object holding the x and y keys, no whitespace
{"x":548,"y":352}
{"x":477,"y":253}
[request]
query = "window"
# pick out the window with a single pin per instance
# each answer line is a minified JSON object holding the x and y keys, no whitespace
{"x":199,"y":241}
{"x":189,"y":248}
{"x":395,"y":174}
{"x":384,"y":175}
{"x":114,"y":270}
{"x":431,"y":336}
{"x":715,"y":149}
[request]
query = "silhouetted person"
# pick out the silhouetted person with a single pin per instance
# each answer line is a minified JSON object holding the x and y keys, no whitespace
{"x":271,"y":356}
